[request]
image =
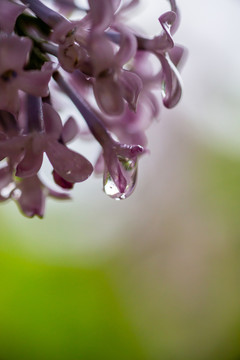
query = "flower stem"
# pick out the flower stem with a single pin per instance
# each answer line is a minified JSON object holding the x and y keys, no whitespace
{"x":34,"y":114}
{"x":95,"y":125}
{"x":49,"y":16}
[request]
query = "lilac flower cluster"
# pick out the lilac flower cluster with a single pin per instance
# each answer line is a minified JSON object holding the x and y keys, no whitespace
{"x":115,"y":77}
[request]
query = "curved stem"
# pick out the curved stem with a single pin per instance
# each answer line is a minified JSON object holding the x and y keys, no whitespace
{"x":49,"y":48}
{"x":95,"y":125}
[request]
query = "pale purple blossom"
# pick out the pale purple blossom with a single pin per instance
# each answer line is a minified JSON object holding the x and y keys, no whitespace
{"x":8,"y":15}
{"x":30,"y":195}
{"x":45,"y":136}
{"x":105,"y":68}
{"x":14,"y":55}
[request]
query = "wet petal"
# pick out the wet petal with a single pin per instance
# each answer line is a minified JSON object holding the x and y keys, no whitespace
{"x":120,"y":172}
{"x":70,"y":165}
{"x":167,"y":20}
{"x":164,"y":41}
{"x":113,"y":173}
{"x":119,"y":177}
{"x":129,"y":152}
{"x":171,"y":83}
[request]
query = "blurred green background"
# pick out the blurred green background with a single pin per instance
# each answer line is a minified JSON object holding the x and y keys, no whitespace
{"x":156,"y":276}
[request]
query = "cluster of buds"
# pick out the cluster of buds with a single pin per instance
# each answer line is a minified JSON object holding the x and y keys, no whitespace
{"x":115,"y":77}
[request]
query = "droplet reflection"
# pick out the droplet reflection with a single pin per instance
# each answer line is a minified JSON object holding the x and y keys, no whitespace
{"x":129,"y":171}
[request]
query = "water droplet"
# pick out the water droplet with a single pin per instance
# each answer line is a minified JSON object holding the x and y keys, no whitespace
{"x":163,"y":90}
{"x":129,"y":171}
{"x":111,"y":188}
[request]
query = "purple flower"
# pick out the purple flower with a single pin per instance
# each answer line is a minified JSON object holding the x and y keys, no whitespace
{"x":120,"y":170}
{"x":14,"y":53}
{"x":71,"y":166}
{"x":8,"y":15}
{"x":109,"y":73}
{"x":30,"y":194}
{"x":112,"y":83}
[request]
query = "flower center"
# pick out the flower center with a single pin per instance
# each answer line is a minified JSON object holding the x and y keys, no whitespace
{"x":8,"y":75}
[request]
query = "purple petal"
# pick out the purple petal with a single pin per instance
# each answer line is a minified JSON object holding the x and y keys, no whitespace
{"x":120,"y":172}
{"x":113,"y":172}
{"x":58,"y":195}
{"x":8,"y":15}
{"x":61,"y":182}
{"x":154,"y":105}
{"x":172,"y":89}
{"x":52,"y":121}
{"x":178,"y":55}
{"x":164,"y":41}
{"x":101,"y":53}
{"x":12,"y":148}
{"x":167,"y":20}
{"x":70,"y":165}
{"x":129,"y":5}
{"x":119,"y":176}
{"x":61,"y":30}
{"x":30,"y":197}
{"x":177,"y":21}
{"x":31,"y":163}
{"x":102,"y":13}
{"x":70,"y":130}
{"x":14,"y":51}
{"x":131,"y":85}
{"x":99,"y":165}
{"x":72,"y":56}
{"x":129,"y":151}
{"x":34,"y":82}
{"x":9,"y":99}
{"x":128,"y":46}
{"x":108,"y":95}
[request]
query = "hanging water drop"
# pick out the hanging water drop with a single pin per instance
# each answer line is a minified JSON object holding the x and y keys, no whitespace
{"x":129,"y":171}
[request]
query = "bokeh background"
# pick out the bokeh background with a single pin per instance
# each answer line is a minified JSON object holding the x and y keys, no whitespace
{"x":156,"y":276}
